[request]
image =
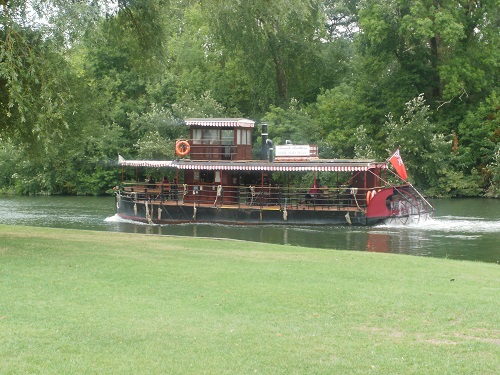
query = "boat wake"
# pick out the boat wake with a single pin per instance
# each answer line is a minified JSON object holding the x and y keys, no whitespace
{"x":118,"y":219}
{"x":452,"y":224}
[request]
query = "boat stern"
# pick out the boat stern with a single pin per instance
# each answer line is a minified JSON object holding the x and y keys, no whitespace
{"x":400,"y":204}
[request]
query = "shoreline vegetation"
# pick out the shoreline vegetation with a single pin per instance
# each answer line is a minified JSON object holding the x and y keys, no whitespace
{"x":75,"y":301}
{"x":84,"y":81}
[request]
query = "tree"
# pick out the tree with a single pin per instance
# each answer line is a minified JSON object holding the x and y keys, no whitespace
{"x":337,"y":113}
{"x":34,"y":39}
{"x":426,"y":152}
{"x":278,"y":43}
{"x":494,"y":188}
{"x":477,"y":141}
{"x":363,"y":147}
{"x":421,"y":148}
{"x":293,"y":124}
{"x":83,"y":80}
{"x":451,"y":47}
{"x":33,"y":94}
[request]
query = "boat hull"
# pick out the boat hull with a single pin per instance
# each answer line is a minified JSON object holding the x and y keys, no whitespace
{"x":399,"y":204}
{"x":171,"y":213}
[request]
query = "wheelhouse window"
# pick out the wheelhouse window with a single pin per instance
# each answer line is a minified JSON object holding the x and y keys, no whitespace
{"x":211,"y":136}
{"x":227,"y":142}
{"x":206,"y":136}
{"x":227,"y":136}
{"x":197,"y":136}
{"x":244,"y":137}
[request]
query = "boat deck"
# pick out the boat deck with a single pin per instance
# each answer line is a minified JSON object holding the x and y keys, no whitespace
{"x":267,"y":207}
{"x":249,"y":198}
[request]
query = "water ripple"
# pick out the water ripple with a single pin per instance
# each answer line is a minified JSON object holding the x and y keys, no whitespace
{"x":452,"y":224}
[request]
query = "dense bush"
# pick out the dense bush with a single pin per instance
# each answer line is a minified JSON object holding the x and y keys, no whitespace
{"x":358,"y":78}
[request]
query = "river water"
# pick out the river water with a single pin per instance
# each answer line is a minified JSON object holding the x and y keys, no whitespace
{"x":461,"y":228}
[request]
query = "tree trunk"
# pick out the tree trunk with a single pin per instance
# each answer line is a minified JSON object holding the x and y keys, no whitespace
{"x":281,"y":78}
{"x":436,"y":79}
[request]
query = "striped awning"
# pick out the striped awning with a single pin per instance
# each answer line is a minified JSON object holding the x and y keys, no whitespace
{"x":334,"y":165}
{"x":274,"y":168}
{"x":221,"y":122}
{"x":144,"y":163}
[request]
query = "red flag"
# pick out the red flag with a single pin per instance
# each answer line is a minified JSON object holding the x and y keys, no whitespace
{"x":398,"y":164}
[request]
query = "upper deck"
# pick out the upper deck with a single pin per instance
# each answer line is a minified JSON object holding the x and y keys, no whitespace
{"x":220,"y":138}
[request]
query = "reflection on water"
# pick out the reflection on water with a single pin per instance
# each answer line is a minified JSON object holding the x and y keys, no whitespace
{"x":461,"y":229}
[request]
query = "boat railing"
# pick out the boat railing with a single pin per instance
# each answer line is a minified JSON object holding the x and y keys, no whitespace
{"x":294,"y":197}
{"x":148,"y":191}
{"x":212,"y":149}
{"x":249,"y":196}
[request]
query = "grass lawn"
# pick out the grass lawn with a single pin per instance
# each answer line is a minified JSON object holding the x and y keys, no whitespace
{"x":81,"y":302}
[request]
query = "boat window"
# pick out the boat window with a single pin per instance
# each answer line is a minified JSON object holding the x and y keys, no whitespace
{"x":227,"y":142}
{"x":197,"y":136}
{"x":227,"y":137}
{"x":211,"y":136}
{"x":207,"y":176}
{"x":244,"y":137}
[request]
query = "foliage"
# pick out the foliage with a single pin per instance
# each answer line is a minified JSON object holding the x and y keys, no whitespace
{"x":285,"y":36}
{"x":203,"y":105}
{"x":159,"y":128}
{"x":82,"y":81}
{"x":423,"y":151}
{"x":292,"y":124}
{"x":478,"y":138}
{"x":337,"y":114}
{"x":426,"y":153}
{"x":34,"y":96}
{"x":494,"y":188}
{"x":453,"y":183}
{"x":10,"y":156}
{"x":363,"y":148}
{"x":156,"y":120}
{"x":439,"y":43}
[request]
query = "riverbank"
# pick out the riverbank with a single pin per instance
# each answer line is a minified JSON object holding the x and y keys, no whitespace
{"x":77,"y":301}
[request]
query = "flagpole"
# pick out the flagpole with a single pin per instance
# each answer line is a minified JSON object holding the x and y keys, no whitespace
{"x":389,"y":158}
{"x":421,"y":196}
{"x":413,"y":187}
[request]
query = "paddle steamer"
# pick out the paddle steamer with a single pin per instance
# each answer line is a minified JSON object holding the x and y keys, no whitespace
{"x":216,"y":181}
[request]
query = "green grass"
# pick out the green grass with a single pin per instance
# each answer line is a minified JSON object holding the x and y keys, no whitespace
{"x":112,"y":303}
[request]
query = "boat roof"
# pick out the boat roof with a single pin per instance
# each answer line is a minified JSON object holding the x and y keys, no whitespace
{"x":221,"y":122}
{"x":317,"y":165}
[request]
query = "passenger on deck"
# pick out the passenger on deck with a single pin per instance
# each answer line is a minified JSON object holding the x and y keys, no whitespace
{"x":175,"y":189}
{"x":315,"y":191}
{"x":165,"y":183}
{"x":151,"y":183}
